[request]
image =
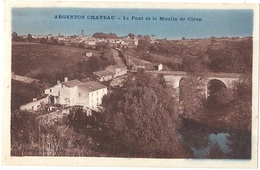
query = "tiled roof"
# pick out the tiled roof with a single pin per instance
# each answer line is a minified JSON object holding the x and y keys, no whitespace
{"x":72,"y":83}
{"x":103,"y":73}
{"x":91,"y":86}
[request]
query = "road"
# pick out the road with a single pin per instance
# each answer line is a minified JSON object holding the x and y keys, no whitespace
{"x":118,"y":59}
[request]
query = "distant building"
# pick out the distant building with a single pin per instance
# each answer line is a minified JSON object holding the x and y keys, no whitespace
{"x":24,"y":78}
{"x":90,"y":42}
{"x":88,"y":54}
{"x":117,"y":70}
{"x":103,"y":75}
{"x":158,"y":66}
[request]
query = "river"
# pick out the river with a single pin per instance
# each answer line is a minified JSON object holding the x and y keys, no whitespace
{"x":213,"y":143}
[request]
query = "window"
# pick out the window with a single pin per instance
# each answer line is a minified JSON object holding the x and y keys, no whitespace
{"x":58,"y":93}
{"x":97,"y":92}
{"x":79,"y":94}
{"x":50,"y":90}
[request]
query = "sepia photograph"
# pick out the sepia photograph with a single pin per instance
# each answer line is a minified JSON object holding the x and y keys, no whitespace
{"x":139,"y":81}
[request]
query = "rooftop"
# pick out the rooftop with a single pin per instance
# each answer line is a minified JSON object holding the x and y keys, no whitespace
{"x":91,"y":86}
{"x":72,"y":83}
{"x":103,"y":73}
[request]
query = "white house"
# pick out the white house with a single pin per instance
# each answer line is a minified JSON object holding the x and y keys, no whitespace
{"x":77,"y":93}
{"x":158,"y":66}
{"x":90,"y":94}
{"x":36,"y":103}
{"x":63,"y":93}
{"x":88,"y":54}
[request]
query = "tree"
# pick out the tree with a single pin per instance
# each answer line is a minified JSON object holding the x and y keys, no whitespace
{"x":222,"y":97}
{"x":192,"y":96}
{"x":14,"y":35}
{"x":194,"y":65}
{"x":24,"y":134}
{"x":143,"y":121}
{"x":240,"y":112}
{"x":143,"y":44}
{"x":130,"y":35}
{"x":240,"y":145}
{"x":93,"y":64}
{"x":29,"y":38}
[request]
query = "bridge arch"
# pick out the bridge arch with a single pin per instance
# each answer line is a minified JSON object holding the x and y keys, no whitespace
{"x":215,"y":88}
{"x":214,"y":85}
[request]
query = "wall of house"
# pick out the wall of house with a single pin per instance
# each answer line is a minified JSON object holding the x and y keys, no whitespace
{"x":95,"y":97}
{"x":33,"y":106}
{"x":120,"y":72}
{"x":60,"y":90}
{"x":73,"y":95}
{"x":83,"y":99}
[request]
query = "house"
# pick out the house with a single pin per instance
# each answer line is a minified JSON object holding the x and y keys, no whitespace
{"x":158,"y":66}
{"x":88,"y":54}
{"x":90,"y":94}
{"x":90,"y":42}
{"x":117,"y":70}
{"x":63,"y":93}
{"x":77,"y":93}
{"x":104,"y":75}
{"x":36,"y":103}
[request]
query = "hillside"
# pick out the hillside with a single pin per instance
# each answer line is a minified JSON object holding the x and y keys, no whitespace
{"x":30,"y":58}
{"x":215,"y":54}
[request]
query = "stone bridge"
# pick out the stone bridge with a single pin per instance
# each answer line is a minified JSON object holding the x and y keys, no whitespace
{"x":174,"y":78}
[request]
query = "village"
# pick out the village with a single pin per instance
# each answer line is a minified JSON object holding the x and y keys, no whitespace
{"x":129,"y":85}
{"x":66,"y":94}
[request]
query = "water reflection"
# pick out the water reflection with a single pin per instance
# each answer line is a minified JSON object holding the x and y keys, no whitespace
{"x":216,"y":144}
{"x":215,"y":141}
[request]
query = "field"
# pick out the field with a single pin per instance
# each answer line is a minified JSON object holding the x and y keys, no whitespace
{"x":216,"y":54}
{"x":30,"y":59}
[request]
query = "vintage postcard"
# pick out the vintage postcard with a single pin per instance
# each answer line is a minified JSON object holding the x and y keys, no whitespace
{"x":131,"y":84}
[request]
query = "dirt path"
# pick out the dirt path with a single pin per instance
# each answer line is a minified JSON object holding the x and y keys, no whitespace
{"x":118,"y":59}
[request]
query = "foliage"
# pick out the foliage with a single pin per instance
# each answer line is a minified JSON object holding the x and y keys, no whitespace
{"x":192,"y":97}
{"x":235,"y":57}
{"x":194,"y":65}
{"x":104,"y":35}
{"x":23,"y":93}
{"x":216,"y":55}
{"x":221,"y":97}
{"x":97,"y":63}
{"x":29,"y":38}
{"x":24,"y":134}
{"x":143,"y":44}
{"x":240,"y":144}
{"x":240,"y":113}
{"x":143,"y":122}
{"x":30,"y":59}
{"x":32,"y":137}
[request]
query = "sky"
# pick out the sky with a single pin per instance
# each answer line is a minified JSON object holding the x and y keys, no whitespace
{"x":218,"y":23}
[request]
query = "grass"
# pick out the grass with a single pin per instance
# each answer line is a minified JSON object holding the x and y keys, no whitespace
{"x":29,"y":59}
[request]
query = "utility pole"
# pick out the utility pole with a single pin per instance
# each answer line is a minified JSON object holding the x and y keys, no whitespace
{"x":82,"y":32}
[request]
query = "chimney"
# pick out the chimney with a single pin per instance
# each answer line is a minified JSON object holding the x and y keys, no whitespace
{"x":58,"y":82}
{"x":34,"y":99}
{"x":65,"y":79}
